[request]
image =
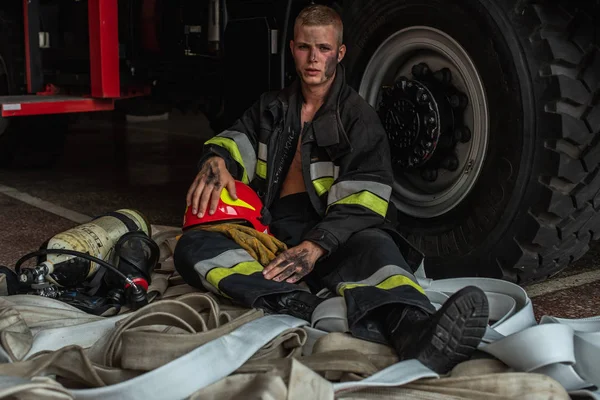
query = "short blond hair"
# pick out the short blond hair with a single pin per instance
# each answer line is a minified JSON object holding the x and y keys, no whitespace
{"x":320,"y":15}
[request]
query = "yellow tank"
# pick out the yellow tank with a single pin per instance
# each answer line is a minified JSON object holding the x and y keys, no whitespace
{"x":97,"y":238}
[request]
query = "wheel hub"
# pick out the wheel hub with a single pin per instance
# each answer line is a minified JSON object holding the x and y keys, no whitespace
{"x":423,"y":118}
{"x":438,"y":142}
{"x":410,"y":117}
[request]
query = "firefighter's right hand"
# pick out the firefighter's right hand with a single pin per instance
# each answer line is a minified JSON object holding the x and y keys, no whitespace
{"x":206,"y":189}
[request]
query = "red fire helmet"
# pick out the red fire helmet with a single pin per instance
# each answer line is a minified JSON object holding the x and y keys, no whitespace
{"x":247,"y":208}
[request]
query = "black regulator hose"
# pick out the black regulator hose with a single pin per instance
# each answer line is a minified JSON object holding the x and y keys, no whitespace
{"x":72,"y":253}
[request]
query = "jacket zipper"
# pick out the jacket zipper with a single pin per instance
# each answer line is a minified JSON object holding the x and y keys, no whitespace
{"x":270,"y":189}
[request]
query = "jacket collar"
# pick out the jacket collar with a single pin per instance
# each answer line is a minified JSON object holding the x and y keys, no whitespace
{"x":328,"y":130}
{"x":332,"y":100}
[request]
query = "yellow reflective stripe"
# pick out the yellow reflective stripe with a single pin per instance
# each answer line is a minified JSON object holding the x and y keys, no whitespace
{"x":261,"y":169}
{"x":215,"y":275}
{"x":345,"y":188}
{"x":392,"y":282}
{"x":322,"y":185}
{"x":226,"y":259}
{"x":365,"y":199}
{"x":245,"y":148}
{"x":232,"y":148}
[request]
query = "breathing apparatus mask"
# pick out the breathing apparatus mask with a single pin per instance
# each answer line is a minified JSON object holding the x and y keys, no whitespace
{"x":136,"y":256}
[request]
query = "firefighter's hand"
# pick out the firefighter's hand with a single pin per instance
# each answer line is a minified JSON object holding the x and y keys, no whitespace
{"x":206,"y":188}
{"x":293,"y":264}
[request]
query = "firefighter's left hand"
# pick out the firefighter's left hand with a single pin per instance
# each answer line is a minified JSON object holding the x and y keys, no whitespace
{"x":295,"y":263}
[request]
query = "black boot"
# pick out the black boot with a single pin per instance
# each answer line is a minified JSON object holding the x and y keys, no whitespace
{"x":299,"y":304}
{"x":446,"y":338}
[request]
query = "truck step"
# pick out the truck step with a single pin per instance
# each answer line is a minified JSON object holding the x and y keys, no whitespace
{"x":18,"y":106}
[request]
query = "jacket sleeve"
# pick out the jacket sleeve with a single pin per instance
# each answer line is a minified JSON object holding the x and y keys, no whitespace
{"x":238,"y":145}
{"x":359,"y":197}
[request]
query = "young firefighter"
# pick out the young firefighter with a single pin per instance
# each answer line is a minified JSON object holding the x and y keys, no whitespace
{"x":318,"y":157}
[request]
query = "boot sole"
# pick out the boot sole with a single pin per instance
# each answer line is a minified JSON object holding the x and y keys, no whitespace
{"x":455,"y":331}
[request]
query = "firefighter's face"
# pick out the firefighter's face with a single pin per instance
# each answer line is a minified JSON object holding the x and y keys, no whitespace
{"x":316,"y":53}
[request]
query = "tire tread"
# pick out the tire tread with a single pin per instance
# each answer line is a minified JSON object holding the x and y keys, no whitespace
{"x":571,"y":219}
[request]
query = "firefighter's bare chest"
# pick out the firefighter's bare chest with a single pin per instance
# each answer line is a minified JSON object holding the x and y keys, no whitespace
{"x":294,"y":182}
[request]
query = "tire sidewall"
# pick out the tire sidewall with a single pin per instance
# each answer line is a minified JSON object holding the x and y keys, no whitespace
{"x":479,"y":231}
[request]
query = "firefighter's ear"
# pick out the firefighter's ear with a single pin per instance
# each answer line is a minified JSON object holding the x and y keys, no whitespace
{"x":292,"y":46}
{"x":341,"y":52}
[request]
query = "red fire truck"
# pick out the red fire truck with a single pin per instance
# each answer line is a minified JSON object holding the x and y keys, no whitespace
{"x":492,"y":107}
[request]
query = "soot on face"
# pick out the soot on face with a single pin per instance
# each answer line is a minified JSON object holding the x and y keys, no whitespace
{"x":330,"y":65}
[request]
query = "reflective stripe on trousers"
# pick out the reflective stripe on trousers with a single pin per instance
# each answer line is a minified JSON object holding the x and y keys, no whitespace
{"x":212,"y":261}
{"x":388,"y":277}
{"x":368,"y":270}
{"x":235,"y":261}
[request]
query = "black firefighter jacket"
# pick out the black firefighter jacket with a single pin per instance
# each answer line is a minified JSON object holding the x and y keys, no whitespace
{"x":345,"y":157}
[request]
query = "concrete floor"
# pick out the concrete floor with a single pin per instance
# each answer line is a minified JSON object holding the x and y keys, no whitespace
{"x":149,"y":166}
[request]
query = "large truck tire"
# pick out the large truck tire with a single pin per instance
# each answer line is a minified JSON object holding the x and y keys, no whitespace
{"x":516,"y":195}
{"x":25,"y":142}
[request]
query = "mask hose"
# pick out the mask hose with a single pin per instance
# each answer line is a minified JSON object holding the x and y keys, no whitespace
{"x":72,"y":253}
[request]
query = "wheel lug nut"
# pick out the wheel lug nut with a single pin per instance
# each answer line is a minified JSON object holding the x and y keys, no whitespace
{"x":420,"y":152}
{"x":422,"y":96}
{"x":454,"y":101}
{"x":463,"y":134}
{"x":457,"y":134}
{"x":450,"y":163}
{"x":420,"y":69}
{"x":429,"y":174}
{"x":458,"y":100}
{"x":443,"y":75}
{"x":417,"y":70}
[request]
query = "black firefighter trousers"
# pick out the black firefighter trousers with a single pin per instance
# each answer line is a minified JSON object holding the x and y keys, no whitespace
{"x":368,"y":270}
